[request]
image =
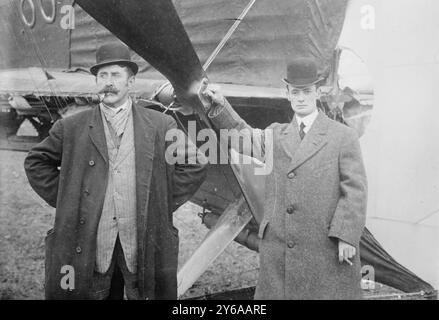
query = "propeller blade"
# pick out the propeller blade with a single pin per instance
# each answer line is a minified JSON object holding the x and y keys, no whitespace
{"x":154,"y":31}
{"x":232,"y":221}
{"x":230,"y":224}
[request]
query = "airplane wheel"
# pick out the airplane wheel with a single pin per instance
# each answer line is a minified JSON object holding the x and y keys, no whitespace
{"x":42,"y":124}
{"x":10,"y":122}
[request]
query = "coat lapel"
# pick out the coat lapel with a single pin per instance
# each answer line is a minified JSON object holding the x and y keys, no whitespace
{"x":314,"y":140}
{"x":144,"y":138}
{"x":290,"y":139}
{"x":97,"y":134}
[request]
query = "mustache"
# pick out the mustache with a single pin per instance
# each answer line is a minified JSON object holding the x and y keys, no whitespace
{"x":108,"y":90}
{"x":100,"y":96}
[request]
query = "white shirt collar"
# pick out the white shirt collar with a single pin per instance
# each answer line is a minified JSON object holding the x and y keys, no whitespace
{"x":307,"y":120}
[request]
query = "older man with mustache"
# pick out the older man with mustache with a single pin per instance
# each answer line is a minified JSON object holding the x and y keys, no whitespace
{"x":114,"y":193}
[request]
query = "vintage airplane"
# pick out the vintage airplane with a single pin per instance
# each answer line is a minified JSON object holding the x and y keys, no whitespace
{"x":244,"y":46}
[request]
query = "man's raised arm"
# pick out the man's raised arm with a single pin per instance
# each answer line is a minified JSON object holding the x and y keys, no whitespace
{"x":222,"y":115}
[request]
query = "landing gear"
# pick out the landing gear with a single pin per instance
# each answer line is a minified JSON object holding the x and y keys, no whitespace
{"x":42,"y":124}
{"x":19,"y":135}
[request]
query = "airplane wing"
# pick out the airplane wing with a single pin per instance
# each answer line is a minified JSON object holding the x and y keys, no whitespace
{"x":400,"y":145}
{"x":62,"y":83}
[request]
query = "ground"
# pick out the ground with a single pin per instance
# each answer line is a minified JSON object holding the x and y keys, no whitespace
{"x":25,"y":219}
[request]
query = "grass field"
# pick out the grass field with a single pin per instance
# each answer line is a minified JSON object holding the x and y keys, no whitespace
{"x":25,"y":219}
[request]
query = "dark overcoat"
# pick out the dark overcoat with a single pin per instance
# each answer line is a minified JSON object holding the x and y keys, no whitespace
{"x":69,"y":170}
{"x":315,"y":195}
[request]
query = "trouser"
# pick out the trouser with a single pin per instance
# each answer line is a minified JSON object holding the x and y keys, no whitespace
{"x":111,"y":284}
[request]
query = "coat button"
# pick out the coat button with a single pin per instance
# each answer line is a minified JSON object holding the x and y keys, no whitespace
{"x":291,"y":244}
{"x":290,"y":209}
{"x":78,"y":249}
{"x":81,"y":221}
{"x":91,"y":163}
{"x":291,"y":175}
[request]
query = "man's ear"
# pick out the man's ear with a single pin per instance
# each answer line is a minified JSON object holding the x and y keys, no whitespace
{"x":323,"y":90}
{"x":131,"y":81}
{"x":287,"y":92}
{"x":318,"y":92}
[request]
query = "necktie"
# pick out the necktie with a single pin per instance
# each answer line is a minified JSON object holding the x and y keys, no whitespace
{"x":117,"y":122}
{"x":301,"y":131}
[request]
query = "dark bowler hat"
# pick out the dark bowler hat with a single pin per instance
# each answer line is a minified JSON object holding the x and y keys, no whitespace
{"x":113,"y":53}
{"x":302,"y":72}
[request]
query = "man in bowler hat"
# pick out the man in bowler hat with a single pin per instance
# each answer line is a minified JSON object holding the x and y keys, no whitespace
{"x":104,"y":170}
{"x":315,"y":196}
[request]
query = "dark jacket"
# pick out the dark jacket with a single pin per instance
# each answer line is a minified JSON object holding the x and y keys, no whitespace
{"x":77,"y":146}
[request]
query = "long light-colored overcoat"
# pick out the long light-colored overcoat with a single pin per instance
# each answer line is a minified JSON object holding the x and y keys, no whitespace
{"x":315,"y":195}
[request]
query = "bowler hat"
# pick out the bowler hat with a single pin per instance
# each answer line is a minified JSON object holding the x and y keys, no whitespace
{"x":113,"y":53}
{"x":302,"y":72}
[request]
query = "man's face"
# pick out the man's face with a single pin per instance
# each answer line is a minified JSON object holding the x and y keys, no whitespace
{"x":303,"y":100}
{"x":115,"y":82}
